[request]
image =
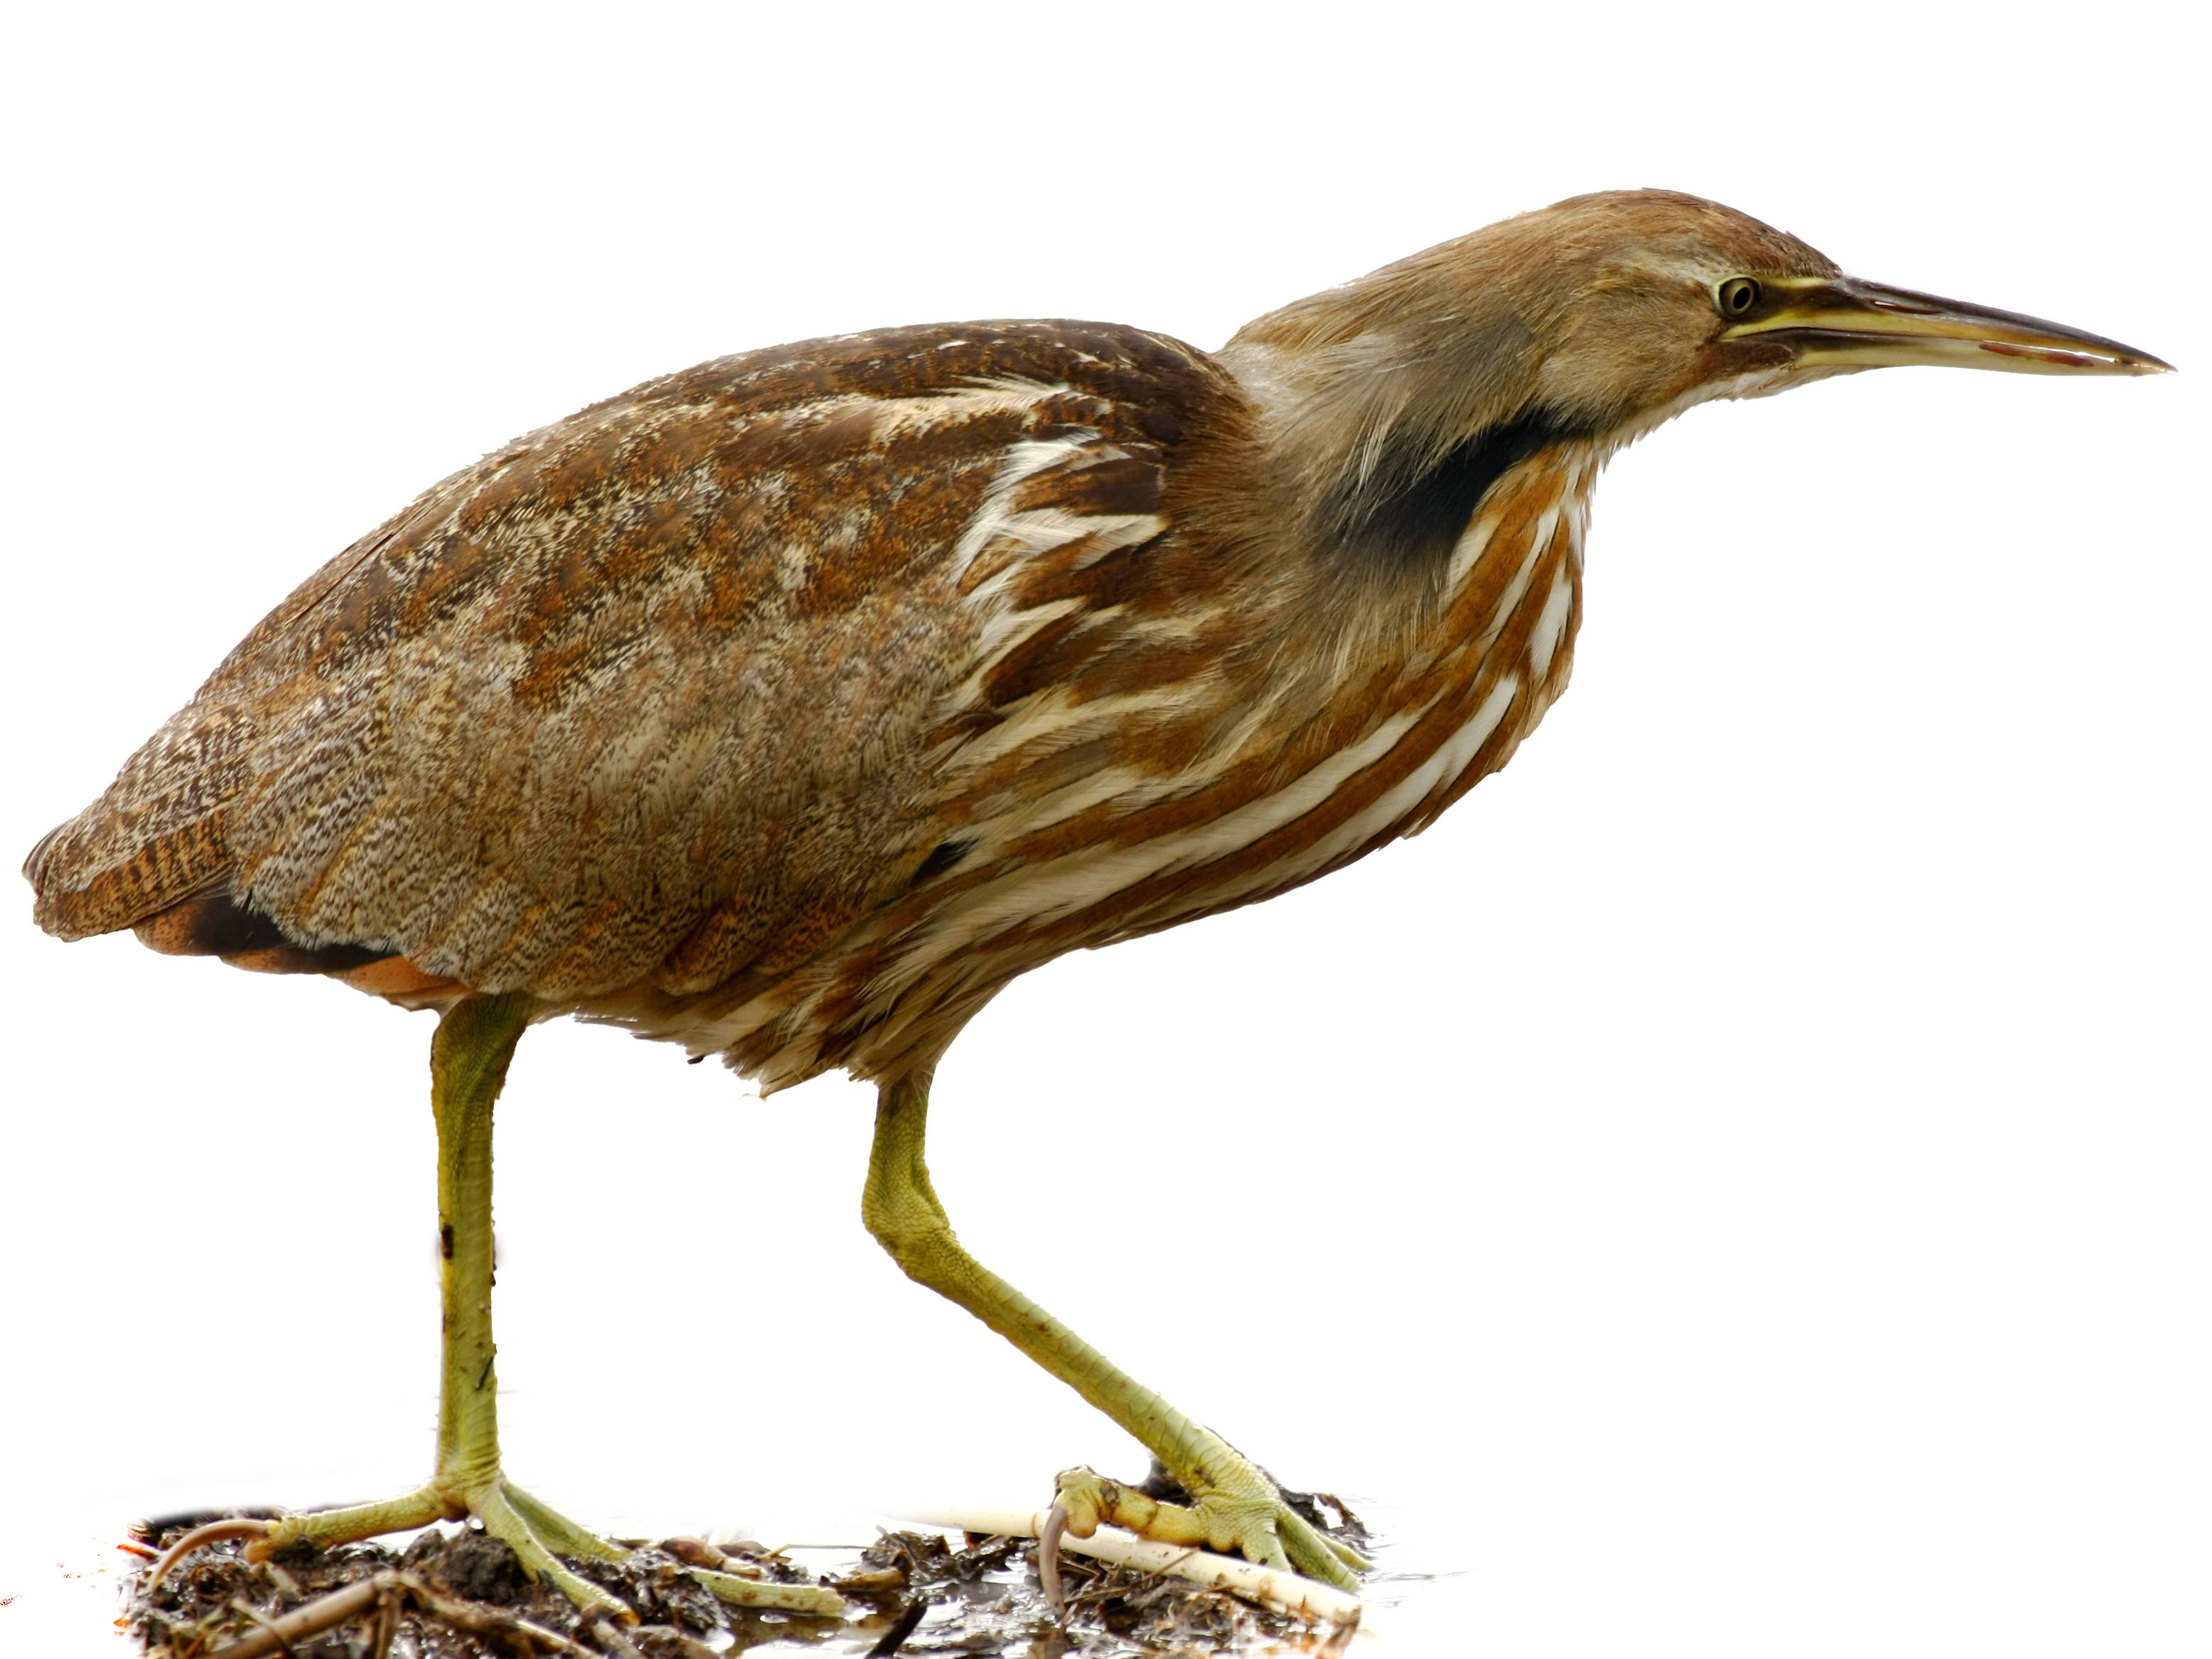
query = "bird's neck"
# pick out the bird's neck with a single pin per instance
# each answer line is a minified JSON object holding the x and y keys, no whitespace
{"x":1423,"y":631}
{"x":1420,"y":551}
{"x":1486,"y":649}
{"x":1403,"y":523}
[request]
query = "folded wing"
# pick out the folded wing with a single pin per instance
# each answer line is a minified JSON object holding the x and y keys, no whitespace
{"x":660,"y":694}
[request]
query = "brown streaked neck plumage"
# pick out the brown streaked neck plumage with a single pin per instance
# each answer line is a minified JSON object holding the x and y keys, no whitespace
{"x":1428,"y":494}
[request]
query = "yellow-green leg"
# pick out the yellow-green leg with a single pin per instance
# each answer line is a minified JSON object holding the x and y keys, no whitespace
{"x":1235,"y":1507}
{"x":469,"y":1059}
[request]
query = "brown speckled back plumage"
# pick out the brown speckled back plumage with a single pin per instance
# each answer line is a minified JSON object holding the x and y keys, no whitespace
{"x":649,"y":696}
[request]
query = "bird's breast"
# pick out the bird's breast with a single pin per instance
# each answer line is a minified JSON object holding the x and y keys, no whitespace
{"x":1090,"y":814}
{"x":1297,"y":782}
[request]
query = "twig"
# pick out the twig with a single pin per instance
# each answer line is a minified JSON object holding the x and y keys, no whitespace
{"x":387,"y":1623}
{"x":1304,"y":1597}
{"x":894,"y":1638}
{"x":611,"y":1639}
{"x":1150,"y":1586}
{"x":324,"y":1612}
{"x":477,"y":1617}
{"x":384,"y":1592}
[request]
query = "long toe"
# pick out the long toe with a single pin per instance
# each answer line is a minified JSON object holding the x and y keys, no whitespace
{"x":1317,"y":1555}
{"x":539,"y":1534}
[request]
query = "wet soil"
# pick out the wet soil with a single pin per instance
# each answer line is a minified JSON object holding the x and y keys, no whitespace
{"x":459,"y":1593}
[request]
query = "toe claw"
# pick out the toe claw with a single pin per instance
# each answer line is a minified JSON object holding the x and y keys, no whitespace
{"x":1047,"y":1560}
{"x":264,"y":1533}
{"x":1317,"y":1555}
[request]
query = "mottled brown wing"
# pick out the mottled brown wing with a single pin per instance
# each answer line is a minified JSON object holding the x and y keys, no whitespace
{"x":653,"y":694}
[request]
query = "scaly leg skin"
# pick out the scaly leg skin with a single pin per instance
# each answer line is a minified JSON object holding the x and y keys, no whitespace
{"x":468,"y":1064}
{"x":1235,"y":1507}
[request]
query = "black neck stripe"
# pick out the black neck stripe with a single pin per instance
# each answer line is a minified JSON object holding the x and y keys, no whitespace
{"x":1415,"y":524}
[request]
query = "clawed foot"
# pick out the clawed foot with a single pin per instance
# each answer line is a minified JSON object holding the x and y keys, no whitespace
{"x":1242,"y":1511}
{"x":537,"y":1534}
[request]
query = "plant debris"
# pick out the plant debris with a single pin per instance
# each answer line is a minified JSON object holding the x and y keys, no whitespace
{"x":457,"y":1593}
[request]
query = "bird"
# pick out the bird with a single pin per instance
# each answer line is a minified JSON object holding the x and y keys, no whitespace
{"x":789,"y":706}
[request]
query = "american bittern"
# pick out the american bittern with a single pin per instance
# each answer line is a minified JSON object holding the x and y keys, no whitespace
{"x":787,"y":708}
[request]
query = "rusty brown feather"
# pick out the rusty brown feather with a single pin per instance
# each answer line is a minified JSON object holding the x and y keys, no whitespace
{"x":789,"y":706}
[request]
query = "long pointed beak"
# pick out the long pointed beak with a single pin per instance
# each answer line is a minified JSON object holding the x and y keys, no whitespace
{"x":1843,"y":322}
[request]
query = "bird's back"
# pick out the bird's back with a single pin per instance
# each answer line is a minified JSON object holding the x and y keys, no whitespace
{"x":657,"y":697}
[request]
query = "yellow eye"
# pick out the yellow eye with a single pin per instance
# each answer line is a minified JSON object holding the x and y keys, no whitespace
{"x":1737,"y":296}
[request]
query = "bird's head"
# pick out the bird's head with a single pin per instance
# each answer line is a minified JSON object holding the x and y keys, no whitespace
{"x":1658,"y":301}
{"x":1594,"y":319}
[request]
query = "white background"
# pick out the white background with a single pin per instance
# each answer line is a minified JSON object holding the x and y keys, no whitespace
{"x":1736,"y":1186}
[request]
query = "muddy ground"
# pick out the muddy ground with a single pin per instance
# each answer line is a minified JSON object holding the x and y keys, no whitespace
{"x":458,"y":1593}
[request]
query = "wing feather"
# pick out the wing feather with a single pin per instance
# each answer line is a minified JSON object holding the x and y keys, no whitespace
{"x":659,"y":693}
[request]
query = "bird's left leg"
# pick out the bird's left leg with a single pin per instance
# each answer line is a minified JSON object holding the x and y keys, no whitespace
{"x":1235,"y":1505}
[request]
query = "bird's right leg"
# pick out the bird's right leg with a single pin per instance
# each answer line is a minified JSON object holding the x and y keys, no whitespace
{"x":1235,"y":1505}
{"x":469,"y":1058}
